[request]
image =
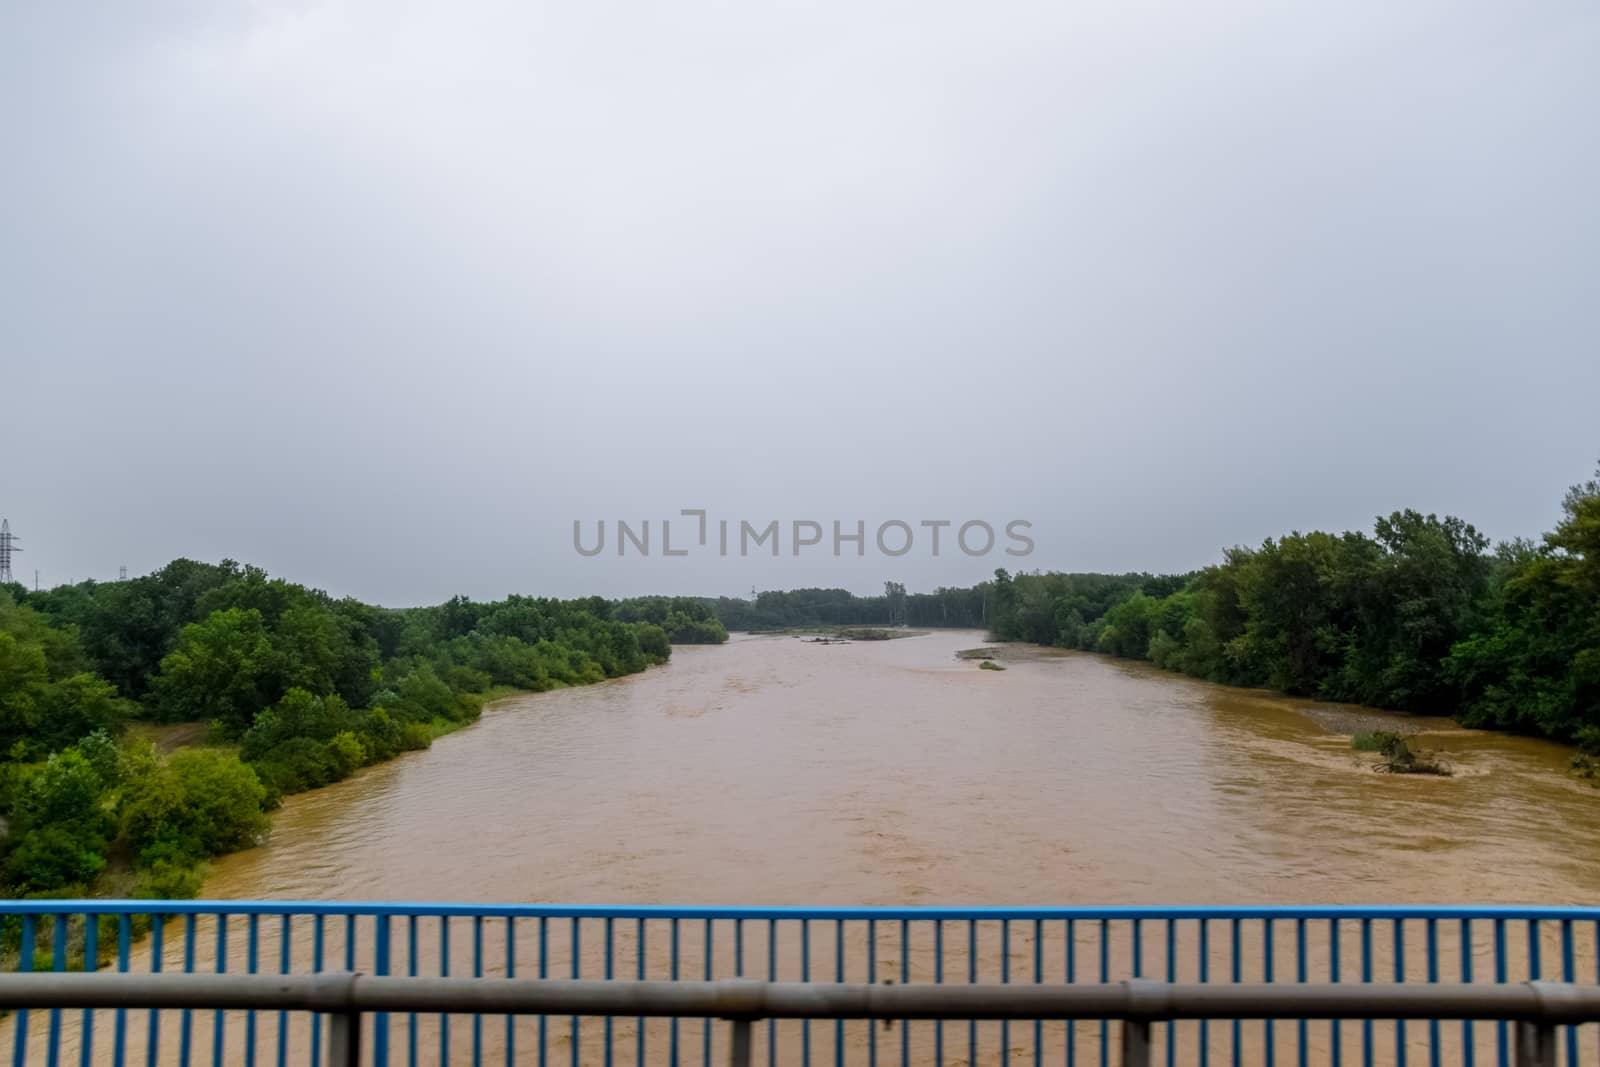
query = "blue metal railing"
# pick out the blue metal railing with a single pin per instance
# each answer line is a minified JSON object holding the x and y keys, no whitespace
{"x":902,"y":945}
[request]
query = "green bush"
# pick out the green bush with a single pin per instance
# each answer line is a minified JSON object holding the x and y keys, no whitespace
{"x":166,"y":879}
{"x":381,"y":735}
{"x":1375,"y":741}
{"x":347,"y":752}
{"x":415,"y":736}
{"x":199,"y":803}
{"x":54,"y":858}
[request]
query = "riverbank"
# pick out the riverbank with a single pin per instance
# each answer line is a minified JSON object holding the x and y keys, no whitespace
{"x":120,"y":880}
{"x":771,"y":771}
{"x":295,"y":690}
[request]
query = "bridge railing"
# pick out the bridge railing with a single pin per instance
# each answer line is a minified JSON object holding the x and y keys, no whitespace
{"x":1391,"y":948}
{"x":1536,"y":1008}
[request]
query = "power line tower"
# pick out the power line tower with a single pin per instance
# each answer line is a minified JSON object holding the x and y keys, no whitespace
{"x":8,"y":545}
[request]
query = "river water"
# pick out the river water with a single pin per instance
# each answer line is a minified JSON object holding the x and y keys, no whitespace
{"x":778,"y":771}
{"x":773,"y":770}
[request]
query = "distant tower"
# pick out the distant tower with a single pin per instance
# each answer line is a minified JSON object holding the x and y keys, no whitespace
{"x":122,"y":573}
{"x":8,"y":545}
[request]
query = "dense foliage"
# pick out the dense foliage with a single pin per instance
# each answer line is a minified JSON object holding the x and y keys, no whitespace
{"x":801,"y":608}
{"x":685,"y":620}
{"x":297,"y":689}
{"x":1419,"y":616}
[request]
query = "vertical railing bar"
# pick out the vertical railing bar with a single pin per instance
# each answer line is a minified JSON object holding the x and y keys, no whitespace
{"x":1267,"y":1030}
{"x":673,"y":1058}
{"x":1071,"y":934}
{"x":1501,"y":1049}
{"x":252,"y":964}
{"x":19,"y":1053}
{"x":805,"y":976}
{"x":544,"y":972}
{"x":58,"y":962}
{"x":1172,"y":976}
{"x":350,"y":941}
{"x":477,"y":972}
{"x":1302,"y":1030}
{"x":738,"y":972}
{"x":511,"y":972}
{"x":186,"y":1016}
{"x":1336,"y":1037}
{"x":610,"y":935}
{"x":1467,"y":1054}
{"x":1005,"y":979}
{"x":285,"y":932}
{"x":872,"y":978}
{"x":972,"y":976}
{"x":158,"y":935}
{"x":1038,"y":976}
{"x":444,"y":972}
{"x":1205,"y":976}
{"x":905,"y":978}
{"x":218,"y":1019}
{"x":1366,"y":977}
{"x":772,"y":976}
{"x":838,"y":976}
{"x":1568,"y":971}
{"x":411,"y":971}
{"x":91,"y":962}
{"x":1432,"y":934}
{"x":938,"y":979}
{"x":577,"y":957}
{"x":317,"y":938}
{"x":1237,"y":967}
{"x":639,"y":970}
{"x":1105,"y":976}
{"x":1399,"y":976}
{"x":124,"y":942}
{"x":1535,"y":961}
{"x":708,"y":937}
{"x":381,"y":964}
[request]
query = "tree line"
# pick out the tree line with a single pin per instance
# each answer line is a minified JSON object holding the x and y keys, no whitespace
{"x":1422,"y":615}
{"x":799,"y":608}
{"x":297,"y":689}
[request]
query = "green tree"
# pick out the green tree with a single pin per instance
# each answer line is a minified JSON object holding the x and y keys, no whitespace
{"x":198,"y":803}
{"x":217,"y":670}
{"x":60,"y":836}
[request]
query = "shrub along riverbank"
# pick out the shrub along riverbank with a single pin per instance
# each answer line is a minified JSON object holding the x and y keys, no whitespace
{"x":298,"y":690}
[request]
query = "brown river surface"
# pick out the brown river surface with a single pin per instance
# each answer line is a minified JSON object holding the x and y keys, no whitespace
{"x":773,"y":770}
{"x":777,"y":771}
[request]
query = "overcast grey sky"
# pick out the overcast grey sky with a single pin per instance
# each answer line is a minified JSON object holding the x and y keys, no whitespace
{"x":382,"y":296}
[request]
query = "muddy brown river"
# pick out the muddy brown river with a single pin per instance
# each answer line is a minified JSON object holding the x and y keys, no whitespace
{"x":778,"y":771}
{"x":773,"y":770}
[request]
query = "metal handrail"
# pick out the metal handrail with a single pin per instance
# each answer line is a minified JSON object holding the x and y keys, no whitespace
{"x":1536,"y":1007}
{"x":696,"y":912}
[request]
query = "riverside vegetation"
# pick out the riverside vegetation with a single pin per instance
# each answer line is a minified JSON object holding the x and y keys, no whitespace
{"x":299,"y":690}
{"x":1420,"y":616}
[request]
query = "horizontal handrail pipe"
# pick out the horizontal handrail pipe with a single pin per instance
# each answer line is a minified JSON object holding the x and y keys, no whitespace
{"x":1536,"y":1007}
{"x":1110,"y":913}
{"x":1556,"y":1003}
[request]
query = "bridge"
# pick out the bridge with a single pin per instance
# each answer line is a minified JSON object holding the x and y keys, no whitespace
{"x":213,"y":982}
